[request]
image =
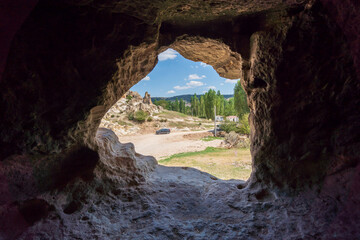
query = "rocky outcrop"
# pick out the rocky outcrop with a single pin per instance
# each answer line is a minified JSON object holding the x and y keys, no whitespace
{"x":70,"y":61}
{"x":120,"y":162}
{"x":117,"y":117}
{"x":132,"y":104}
{"x":133,"y":95}
{"x":147,"y":99}
{"x":233,"y":139}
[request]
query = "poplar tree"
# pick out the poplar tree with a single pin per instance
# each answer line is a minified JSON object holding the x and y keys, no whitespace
{"x":240,"y":101}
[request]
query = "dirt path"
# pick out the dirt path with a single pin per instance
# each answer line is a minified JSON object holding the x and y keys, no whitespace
{"x":161,"y":146}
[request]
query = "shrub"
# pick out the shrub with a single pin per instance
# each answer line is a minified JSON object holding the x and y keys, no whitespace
{"x":128,"y":98}
{"x":229,"y":127}
{"x":149,"y":119}
{"x":131,"y":116}
{"x":112,"y":116}
{"x":163,"y":120}
{"x":140,"y":116}
{"x":244,"y":124}
{"x":242,"y":127}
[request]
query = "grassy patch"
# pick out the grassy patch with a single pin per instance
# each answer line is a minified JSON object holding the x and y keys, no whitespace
{"x":222,"y":163}
{"x":211,"y":138}
{"x":123,"y":123}
{"x":183,"y":124}
{"x":189,"y":154}
{"x":171,"y":114}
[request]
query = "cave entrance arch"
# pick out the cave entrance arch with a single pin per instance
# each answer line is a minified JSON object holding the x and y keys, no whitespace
{"x":102,"y":59}
{"x":187,"y":129}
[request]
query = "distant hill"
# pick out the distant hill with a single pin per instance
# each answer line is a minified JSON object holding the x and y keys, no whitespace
{"x":186,"y":97}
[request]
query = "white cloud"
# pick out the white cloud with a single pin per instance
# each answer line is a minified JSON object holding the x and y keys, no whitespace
{"x":195,"y":84}
{"x":195,"y":76}
{"x":181,"y":87}
{"x":191,"y":84}
{"x":211,"y":87}
{"x":170,"y":91}
{"x":204,"y":64}
{"x":168,"y":54}
{"x":222,"y":84}
{"x":233,"y":81}
{"x":147,"y":78}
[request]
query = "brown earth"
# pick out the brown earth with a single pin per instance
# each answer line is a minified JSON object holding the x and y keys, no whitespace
{"x":161,"y":146}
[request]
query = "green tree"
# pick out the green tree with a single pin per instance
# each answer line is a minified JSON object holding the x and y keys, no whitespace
{"x":192,"y":106}
{"x":182,"y":106}
{"x":240,"y":101}
{"x":176,"y":105}
{"x":210,"y":101}
{"x":163,"y":103}
{"x":195,"y":105}
{"x":229,"y":107}
{"x":171,"y":106}
{"x":202,"y":107}
{"x":220,"y":101}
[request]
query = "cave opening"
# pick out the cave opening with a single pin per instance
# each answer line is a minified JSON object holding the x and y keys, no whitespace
{"x":175,"y":119}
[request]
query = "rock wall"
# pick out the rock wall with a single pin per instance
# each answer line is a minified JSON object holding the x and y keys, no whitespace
{"x":300,"y":83}
{"x":72,"y":85}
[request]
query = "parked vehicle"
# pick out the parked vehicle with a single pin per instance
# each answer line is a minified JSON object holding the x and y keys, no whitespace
{"x":163,"y":131}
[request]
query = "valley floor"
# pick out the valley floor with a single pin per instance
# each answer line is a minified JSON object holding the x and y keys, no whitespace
{"x":162,"y":146}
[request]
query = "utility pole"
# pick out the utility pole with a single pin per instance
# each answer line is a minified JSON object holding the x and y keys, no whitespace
{"x":215,"y":120}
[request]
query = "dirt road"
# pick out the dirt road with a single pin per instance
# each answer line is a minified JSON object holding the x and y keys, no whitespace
{"x":161,"y":146}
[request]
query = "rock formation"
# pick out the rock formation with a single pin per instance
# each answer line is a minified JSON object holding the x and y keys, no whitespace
{"x":120,"y":111}
{"x":133,"y":95}
{"x":147,"y":99}
{"x":70,"y":61}
{"x":233,"y":139}
{"x":133,"y":104}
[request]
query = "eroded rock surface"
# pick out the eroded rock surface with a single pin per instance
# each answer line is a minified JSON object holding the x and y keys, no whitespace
{"x":117,"y":158}
{"x":233,"y":139}
{"x":184,"y":203}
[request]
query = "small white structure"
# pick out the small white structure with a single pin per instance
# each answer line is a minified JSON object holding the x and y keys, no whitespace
{"x":219,"y":118}
{"x":232,"y":118}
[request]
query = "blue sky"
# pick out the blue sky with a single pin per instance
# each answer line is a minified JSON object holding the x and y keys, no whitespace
{"x":174,"y":75}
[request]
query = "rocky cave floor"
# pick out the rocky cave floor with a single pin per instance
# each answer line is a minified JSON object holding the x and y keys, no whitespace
{"x":183,"y":203}
{"x":170,"y":203}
